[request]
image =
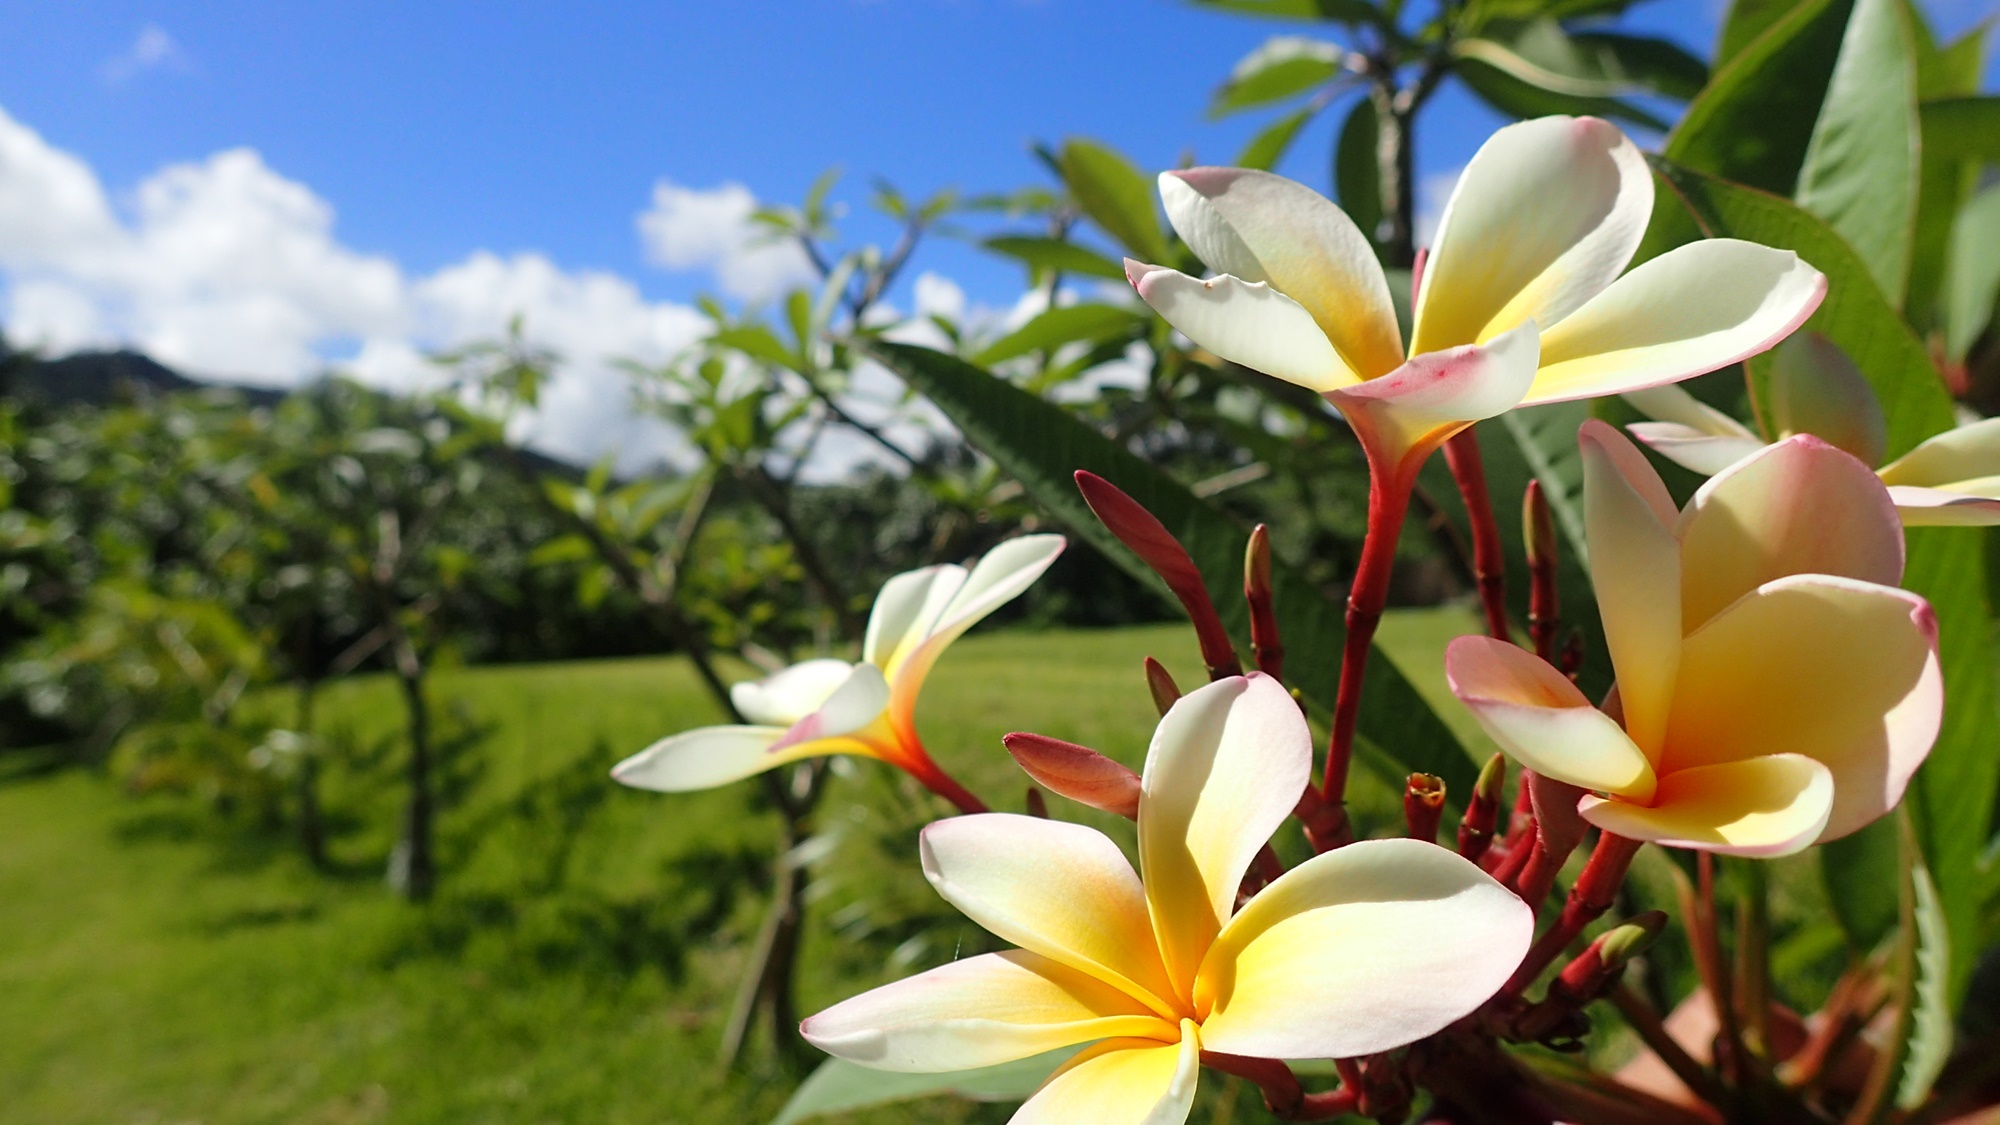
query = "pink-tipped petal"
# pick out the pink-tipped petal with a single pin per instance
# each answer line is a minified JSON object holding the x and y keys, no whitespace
{"x":1636,"y":570}
{"x":1691,"y":310}
{"x":1539,"y":717}
{"x":1816,"y":389}
{"x":1544,"y":217}
{"x":856,"y":703}
{"x":1062,"y":890}
{"x":1296,"y":239}
{"x":785,"y":697}
{"x":1798,"y":507}
{"x":1417,"y":406}
{"x":1759,"y":807}
{"x":1833,"y":669}
{"x":1245,"y":322}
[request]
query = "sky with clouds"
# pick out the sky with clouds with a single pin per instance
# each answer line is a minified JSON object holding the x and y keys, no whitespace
{"x":252,"y":193}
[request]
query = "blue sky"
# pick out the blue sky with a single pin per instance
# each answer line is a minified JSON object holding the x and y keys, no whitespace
{"x":248,"y":189}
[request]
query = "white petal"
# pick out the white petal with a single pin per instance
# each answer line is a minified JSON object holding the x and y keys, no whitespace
{"x":1245,"y":322}
{"x":1544,"y":217}
{"x":1360,"y":950}
{"x":1691,"y":310}
{"x":1670,"y":402}
{"x":784,"y":698}
{"x":1635,"y":569}
{"x":1937,"y":507}
{"x":1691,"y":449}
{"x":899,"y":609}
{"x":1121,"y":1082}
{"x":1002,"y":575}
{"x":1966,"y":453}
{"x":712,"y":756}
{"x":857,"y":702}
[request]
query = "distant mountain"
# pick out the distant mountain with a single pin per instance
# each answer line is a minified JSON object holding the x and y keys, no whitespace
{"x":104,"y":377}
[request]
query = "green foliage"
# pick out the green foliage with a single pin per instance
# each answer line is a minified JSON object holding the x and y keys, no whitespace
{"x":1114,"y":193}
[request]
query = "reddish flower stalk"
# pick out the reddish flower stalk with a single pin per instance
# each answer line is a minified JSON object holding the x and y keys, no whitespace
{"x":1038,"y":807}
{"x":1704,"y":929}
{"x":1539,"y":529}
{"x":1520,"y":846}
{"x":1265,"y":646}
{"x":1322,"y":821}
{"x":1475,"y":831}
{"x":1161,"y":684}
{"x":933,"y":778}
{"x":1388,"y":502}
{"x":1538,"y":874}
{"x":1283,"y":1096}
{"x":1489,"y":562}
{"x":1423,"y":806}
{"x":1148,"y":538}
{"x":1593,"y":894}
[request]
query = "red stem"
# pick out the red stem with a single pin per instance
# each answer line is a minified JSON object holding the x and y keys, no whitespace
{"x":1489,"y":562}
{"x":1423,"y":806}
{"x":1593,"y":894}
{"x":1388,"y":502}
{"x":1544,"y":607}
{"x":916,"y":762}
{"x":1283,"y":1095}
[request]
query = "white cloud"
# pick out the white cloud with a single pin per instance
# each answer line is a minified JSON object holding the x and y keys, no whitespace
{"x":693,"y":228}
{"x":153,"y":50}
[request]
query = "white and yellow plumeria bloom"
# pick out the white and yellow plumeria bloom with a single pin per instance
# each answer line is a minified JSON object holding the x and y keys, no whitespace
{"x":1776,"y":688}
{"x":1355,"y":951}
{"x":1950,"y":480}
{"x":1520,"y":302}
{"x":832,"y":707}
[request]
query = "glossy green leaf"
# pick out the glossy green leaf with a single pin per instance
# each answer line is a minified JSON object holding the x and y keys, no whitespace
{"x":1964,"y":128}
{"x":1928,"y":1045}
{"x":1357,"y":168}
{"x":1860,"y":169}
{"x":1952,"y":795}
{"x":1972,"y":282}
{"x":1753,"y":122}
{"x":1040,"y":445}
{"x":1519,"y":88}
{"x":1055,"y":254}
{"x":1746,"y":20}
{"x":1943,"y":183}
{"x":1115,"y":194}
{"x":1338,"y":11}
{"x":839,"y":1086}
{"x":1058,"y":326}
{"x":757,"y":342}
{"x":1274,"y":140}
{"x":1590,"y":64}
{"x":1284,"y":66}
{"x":1659,"y":66}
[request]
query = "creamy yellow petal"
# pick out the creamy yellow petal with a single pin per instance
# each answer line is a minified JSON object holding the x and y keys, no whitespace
{"x":1956,"y":455}
{"x":1671,"y":402}
{"x":1539,"y":717}
{"x":1768,"y":806}
{"x":857,"y":703}
{"x":712,"y":756}
{"x":1295,"y":238}
{"x":786,"y":697}
{"x":1228,"y":764}
{"x":1246,"y":322}
{"x":908,"y":603}
{"x":1413,"y":409}
{"x":1545,"y":215}
{"x":1798,"y":507}
{"x":1693,"y":309}
{"x":1635,"y":569}
{"x":1058,"y":889}
{"x":1691,"y":449}
{"x":1000,"y":576}
{"x":1938,"y":507}
{"x":981,"y":1011}
{"x":1360,"y":950}
{"x":1829,"y":668}
{"x":1121,"y":1082}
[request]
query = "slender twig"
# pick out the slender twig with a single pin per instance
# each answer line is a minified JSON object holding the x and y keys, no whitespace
{"x":1646,"y":1022}
{"x":1388,"y":503}
{"x":1489,"y":562}
{"x":1596,"y":889}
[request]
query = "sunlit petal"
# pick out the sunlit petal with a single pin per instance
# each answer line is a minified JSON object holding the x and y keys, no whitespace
{"x":1539,"y":717}
{"x":981,"y":1011}
{"x":1829,"y":668}
{"x":1062,"y":890}
{"x":857,"y":702}
{"x":1817,"y":389}
{"x":786,"y":697}
{"x":1121,"y":1082}
{"x":712,"y":756}
{"x":1767,"y":806}
{"x":1002,"y":575}
{"x":1360,"y":950}
{"x":1937,"y":507}
{"x":1546,"y":214}
{"x":1245,"y":322}
{"x":1798,"y":507}
{"x":900,"y":610}
{"x":1426,"y":400}
{"x":1693,"y":309}
{"x":1635,"y":569}
{"x":1691,"y":449}
{"x":1228,"y":764}
{"x":1670,"y":402}
{"x":1966,"y":453}
{"x":1284,"y":232}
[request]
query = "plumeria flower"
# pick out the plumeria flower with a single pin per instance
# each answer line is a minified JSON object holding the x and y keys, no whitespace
{"x":1952,"y":479}
{"x":1355,"y":951}
{"x":1519,"y":302}
{"x":1775,"y":688}
{"x":824,"y":707}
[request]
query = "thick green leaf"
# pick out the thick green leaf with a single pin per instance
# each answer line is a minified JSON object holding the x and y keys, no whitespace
{"x":1753,"y":122}
{"x":839,"y":1086}
{"x":1284,"y":66}
{"x":1656,"y":65}
{"x":1357,"y":168}
{"x":1862,"y":874}
{"x":1590,"y":64}
{"x":1928,"y":1044}
{"x":1964,"y":128}
{"x":1114,"y":193}
{"x":1055,"y":254}
{"x":1860,"y":170}
{"x":1058,"y":326}
{"x":1338,"y":11}
{"x":1952,"y":795}
{"x":1942,"y":182}
{"x":1972,"y":283}
{"x":1514,"y":86}
{"x":1274,"y":140}
{"x":1040,"y":445}
{"x":1747,"y":19}
{"x":757,"y":342}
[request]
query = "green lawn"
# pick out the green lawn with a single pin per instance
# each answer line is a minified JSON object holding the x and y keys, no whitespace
{"x":162,"y":963}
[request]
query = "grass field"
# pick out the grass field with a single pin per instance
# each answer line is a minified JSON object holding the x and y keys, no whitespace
{"x":161,"y":964}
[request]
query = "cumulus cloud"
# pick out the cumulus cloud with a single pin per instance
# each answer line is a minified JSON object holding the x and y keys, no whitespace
{"x":711,"y":229}
{"x":153,"y":50}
